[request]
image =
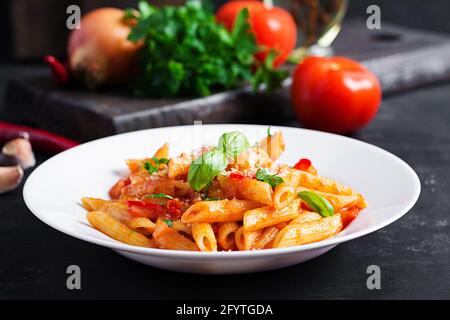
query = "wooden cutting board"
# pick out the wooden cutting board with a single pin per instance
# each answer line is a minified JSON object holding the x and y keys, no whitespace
{"x":402,"y":59}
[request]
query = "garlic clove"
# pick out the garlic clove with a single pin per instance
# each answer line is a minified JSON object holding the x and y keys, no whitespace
{"x":22,"y":150}
{"x":10,"y":178}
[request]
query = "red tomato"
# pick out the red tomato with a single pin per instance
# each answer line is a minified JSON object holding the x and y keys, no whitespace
{"x":303,"y":164}
{"x":274,"y":28}
{"x":335,"y":94}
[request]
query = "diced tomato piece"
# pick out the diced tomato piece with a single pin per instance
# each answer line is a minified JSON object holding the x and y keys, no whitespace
{"x":347,"y":216}
{"x":116,"y":190}
{"x":174,"y":209}
{"x":138,"y":208}
{"x":303,"y":164}
{"x":236,"y":175}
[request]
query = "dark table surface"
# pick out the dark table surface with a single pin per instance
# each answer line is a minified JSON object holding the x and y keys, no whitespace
{"x":413,"y":253}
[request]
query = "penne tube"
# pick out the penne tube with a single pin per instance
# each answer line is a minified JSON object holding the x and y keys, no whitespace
{"x":165,"y":237}
{"x":179,"y":166}
{"x":93,"y":204}
{"x":273,"y":145}
{"x":116,"y":230}
{"x":309,"y":232}
{"x":204,"y":237}
{"x":251,"y":189}
{"x":218,"y":211}
{"x":283,"y":195}
{"x":245,"y":239}
{"x":142,"y":224}
{"x":306,"y":216}
{"x":307,"y":180}
{"x":162,"y":152}
{"x":260,"y":218}
{"x":338,"y":202}
{"x":117,"y":210}
{"x":266,"y":238}
{"x":226,"y":235}
{"x":181,"y":227}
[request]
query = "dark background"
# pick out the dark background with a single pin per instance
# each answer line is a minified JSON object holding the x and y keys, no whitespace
{"x":413,"y":253}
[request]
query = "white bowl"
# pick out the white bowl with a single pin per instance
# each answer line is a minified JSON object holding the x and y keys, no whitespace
{"x":54,"y":189}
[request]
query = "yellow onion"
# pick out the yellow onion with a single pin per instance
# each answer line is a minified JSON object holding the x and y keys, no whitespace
{"x":99,"y":52}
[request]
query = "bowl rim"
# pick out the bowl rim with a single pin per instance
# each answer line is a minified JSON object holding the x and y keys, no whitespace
{"x":116,"y":245}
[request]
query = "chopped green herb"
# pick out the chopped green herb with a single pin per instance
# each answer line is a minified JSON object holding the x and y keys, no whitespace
{"x":268,"y":132}
{"x":265,"y":176}
{"x":159,"y":195}
{"x":317,"y":202}
{"x":211,"y":199}
{"x":168,"y":222}
{"x":154,"y":168}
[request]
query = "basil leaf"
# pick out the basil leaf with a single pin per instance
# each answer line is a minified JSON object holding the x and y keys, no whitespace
{"x":265,"y":176}
{"x":168,"y":222}
{"x":159,"y":195}
{"x":233,"y":143}
{"x":317,"y":202}
{"x":205,"y":168}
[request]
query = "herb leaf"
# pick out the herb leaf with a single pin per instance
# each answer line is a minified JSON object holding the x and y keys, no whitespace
{"x":269,"y":76}
{"x":186,"y":51}
{"x":317,"y":202}
{"x":233,"y":143}
{"x":205,"y":168}
{"x":152,"y":168}
{"x":159,"y":195}
{"x":168,"y":222}
{"x":265,"y":176}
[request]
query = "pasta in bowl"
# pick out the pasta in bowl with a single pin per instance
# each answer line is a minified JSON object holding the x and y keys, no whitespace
{"x":233,"y":196}
{"x":157,"y":207}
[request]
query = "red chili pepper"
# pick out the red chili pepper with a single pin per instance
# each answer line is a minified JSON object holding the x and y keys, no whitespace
{"x":40,"y":139}
{"x":303,"y":164}
{"x":59,"y":71}
{"x":236,"y":175}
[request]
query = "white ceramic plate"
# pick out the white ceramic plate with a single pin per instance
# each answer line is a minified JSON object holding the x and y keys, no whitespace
{"x":54,"y":189}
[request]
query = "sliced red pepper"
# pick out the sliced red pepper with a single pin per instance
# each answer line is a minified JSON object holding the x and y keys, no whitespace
{"x":303,"y":164}
{"x":40,"y":139}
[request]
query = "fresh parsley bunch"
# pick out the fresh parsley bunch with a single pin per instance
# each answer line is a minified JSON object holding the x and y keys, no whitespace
{"x":186,"y":52}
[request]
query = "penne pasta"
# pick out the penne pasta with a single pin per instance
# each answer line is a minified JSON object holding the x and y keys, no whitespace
{"x":226,"y":235}
{"x":283,"y":195}
{"x":266,"y":238}
{"x":306,"y":216}
{"x":245,"y":239}
{"x":165,"y":237}
{"x":218,"y":211}
{"x":93,"y":204}
{"x":142,"y":225}
{"x":116,"y":230}
{"x":338,"y":202}
{"x":260,"y":218}
{"x":273,"y":145}
{"x":204,"y":237}
{"x":227,"y":196}
{"x":255,"y":190}
{"x":309,"y":232}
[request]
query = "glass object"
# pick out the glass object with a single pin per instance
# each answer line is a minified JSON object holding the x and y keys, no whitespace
{"x":318,"y":21}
